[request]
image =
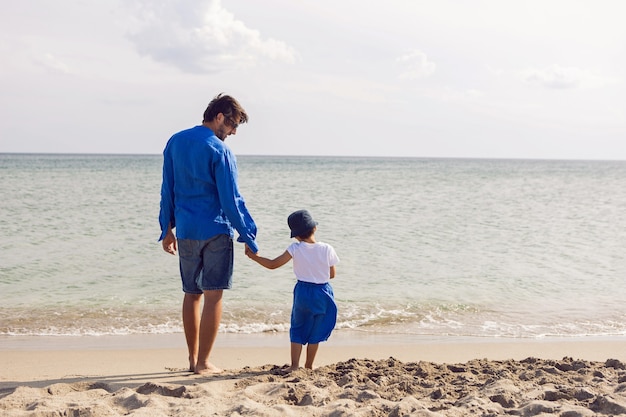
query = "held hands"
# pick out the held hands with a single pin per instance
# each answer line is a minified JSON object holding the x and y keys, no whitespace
{"x":249,"y":253}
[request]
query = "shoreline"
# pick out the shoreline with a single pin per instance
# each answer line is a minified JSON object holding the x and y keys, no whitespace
{"x":339,"y":338}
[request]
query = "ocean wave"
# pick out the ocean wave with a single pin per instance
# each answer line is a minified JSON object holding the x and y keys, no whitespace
{"x":409,"y":319}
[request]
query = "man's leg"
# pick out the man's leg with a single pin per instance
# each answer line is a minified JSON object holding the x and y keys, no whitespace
{"x":191,"y":324}
{"x":209,"y":325}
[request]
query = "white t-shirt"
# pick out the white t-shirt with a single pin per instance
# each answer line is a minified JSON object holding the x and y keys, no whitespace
{"x":312,"y":261}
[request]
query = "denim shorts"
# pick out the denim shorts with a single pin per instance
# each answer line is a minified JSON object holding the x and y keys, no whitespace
{"x":206,"y":264}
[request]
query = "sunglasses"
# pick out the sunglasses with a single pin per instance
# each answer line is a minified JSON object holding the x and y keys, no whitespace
{"x":230,"y":123}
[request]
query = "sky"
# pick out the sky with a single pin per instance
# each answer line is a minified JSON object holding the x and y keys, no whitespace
{"x":441,"y":78}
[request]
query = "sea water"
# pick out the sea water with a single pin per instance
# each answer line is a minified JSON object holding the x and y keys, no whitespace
{"x":438,"y":247}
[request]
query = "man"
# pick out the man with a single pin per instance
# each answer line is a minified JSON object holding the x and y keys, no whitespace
{"x":200,"y":199}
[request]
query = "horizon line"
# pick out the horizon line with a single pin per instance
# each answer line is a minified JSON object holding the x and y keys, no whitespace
{"x":332,"y":156}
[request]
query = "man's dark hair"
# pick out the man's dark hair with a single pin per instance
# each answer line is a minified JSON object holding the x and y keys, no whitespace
{"x":226,"y":105}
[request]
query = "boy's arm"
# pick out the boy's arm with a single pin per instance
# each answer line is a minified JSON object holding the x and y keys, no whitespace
{"x":269,"y":263}
{"x":332,"y":272}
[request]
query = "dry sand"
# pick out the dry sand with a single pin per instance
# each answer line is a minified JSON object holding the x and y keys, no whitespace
{"x":355,"y":376}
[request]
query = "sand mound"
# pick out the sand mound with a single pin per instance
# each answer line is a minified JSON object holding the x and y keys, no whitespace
{"x":530,"y":387}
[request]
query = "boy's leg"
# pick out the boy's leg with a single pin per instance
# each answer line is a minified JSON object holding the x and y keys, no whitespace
{"x":296,"y":350}
{"x":311,"y":351}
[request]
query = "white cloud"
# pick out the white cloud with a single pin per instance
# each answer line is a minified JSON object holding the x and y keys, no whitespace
{"x":203,"y":37}
{"x":497,"y":72}
{"x":352,"y":89}
{"x":559,"y":77}
{"x":415,"y":64}
{"x":470,"y":95}
{"x":51,"y":63}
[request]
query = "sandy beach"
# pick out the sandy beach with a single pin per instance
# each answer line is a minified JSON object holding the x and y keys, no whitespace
{"x":356,"y":375}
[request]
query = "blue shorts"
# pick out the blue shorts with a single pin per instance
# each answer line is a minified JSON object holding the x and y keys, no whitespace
{"x":314,"y":313}
{"x":206,"y":264}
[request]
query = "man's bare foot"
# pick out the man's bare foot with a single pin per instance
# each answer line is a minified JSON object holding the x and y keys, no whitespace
{"x":192,"y":364}
{"x":208,"y":368}
{"x":287,"y":371}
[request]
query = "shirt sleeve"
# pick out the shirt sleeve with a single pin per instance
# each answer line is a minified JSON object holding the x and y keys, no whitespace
{"x":166,"y":214}
{"x":292,"y":248}
{"x":232,"y":202}
{"x":333,"y":259}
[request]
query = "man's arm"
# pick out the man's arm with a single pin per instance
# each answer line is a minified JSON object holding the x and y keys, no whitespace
{"x":166,"y":213}
{"x":233,"y":203}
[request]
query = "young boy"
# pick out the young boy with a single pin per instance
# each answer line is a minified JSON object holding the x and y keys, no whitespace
{"x":314,"y":312}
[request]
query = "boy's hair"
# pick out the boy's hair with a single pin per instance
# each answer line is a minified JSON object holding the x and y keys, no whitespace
{"x":306,"y":234}
{"x":226,"y":105}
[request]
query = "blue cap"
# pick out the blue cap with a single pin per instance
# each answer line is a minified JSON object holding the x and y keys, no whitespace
{"x":300,"y":222}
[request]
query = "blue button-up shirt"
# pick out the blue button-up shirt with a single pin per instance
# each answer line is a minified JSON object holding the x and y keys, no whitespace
{"x":199,"y":194}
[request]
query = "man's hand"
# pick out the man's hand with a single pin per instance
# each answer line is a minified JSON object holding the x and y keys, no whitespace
{"x":169,"y":243}
{"x":249,"y":252}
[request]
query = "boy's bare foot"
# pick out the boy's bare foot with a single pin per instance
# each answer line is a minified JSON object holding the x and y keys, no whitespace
{"x":209,"y":368}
